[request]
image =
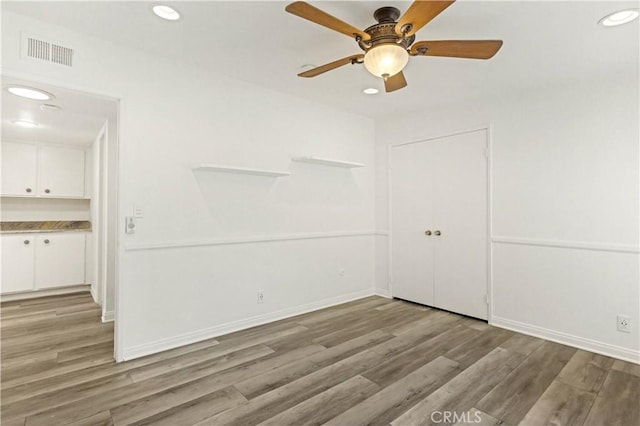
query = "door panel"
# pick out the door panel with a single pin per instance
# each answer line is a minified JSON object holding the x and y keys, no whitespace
{"x":61,"y":172}
{"x":18,"y":169}
{"x":461,"y":214}
{"x":17,"y":263}
{"x":60,"y":260}
{"x":411,"y":215}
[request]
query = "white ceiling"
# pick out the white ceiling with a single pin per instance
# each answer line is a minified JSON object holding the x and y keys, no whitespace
{"x":77,"y":123}
{"x":545,"y":44}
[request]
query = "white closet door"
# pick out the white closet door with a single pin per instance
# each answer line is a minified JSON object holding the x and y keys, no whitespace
{"x":461,"y":215}
{"x":411,"y":216}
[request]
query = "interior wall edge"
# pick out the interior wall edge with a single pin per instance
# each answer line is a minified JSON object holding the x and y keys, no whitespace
{"x":230,"y":327}
{"x":602,"y":348}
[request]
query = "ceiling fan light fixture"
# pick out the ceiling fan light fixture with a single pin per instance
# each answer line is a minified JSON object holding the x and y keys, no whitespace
{"x":619,"y":18}
{"x":386,"y":59}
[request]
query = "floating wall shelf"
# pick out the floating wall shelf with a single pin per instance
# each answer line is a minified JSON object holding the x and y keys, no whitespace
{"x":239,"y":170}
{"x":328,"y":162}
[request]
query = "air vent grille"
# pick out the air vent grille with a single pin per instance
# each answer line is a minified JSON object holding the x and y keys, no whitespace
{"x":38,"y":49}
{"x":61,"y":55}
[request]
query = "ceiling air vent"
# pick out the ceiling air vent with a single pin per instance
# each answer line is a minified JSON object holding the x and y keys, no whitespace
{"x":38,"y":49}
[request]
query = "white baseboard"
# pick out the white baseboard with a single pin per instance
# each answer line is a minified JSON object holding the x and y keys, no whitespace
{"x":43,"y":293}
{"x":569,"y":339}
{"x":230,"y":327}
{"x":383,"y":292}
{"x":108,"y":316}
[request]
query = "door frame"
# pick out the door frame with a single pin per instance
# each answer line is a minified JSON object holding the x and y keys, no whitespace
{"x":118,"y":345}
{"x":487,"y":128}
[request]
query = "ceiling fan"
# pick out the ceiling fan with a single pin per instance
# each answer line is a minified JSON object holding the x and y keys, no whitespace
{"x":388,"y":44}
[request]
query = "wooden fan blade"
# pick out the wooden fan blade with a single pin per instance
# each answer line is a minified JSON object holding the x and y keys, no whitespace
{"x":395,"y":82}
{"x":332,"y":65}
{"x":472,"y":49}
{"x":420,"y":13}
{"x":313,"y":14}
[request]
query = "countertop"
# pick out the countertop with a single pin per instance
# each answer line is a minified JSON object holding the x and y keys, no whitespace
{"x":45,"y":226}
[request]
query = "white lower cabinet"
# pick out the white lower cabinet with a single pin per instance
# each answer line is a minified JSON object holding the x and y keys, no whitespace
{"x":42,"y":261}
{"x":17,"y":263}
{"x":59,"y":260}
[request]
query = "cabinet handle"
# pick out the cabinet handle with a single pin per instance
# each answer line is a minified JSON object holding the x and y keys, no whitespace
{"x":436,"y":233}
{"x":27,"y":242}
{"x":46,"y":241}
{"x":28,"y":189}
{"x":46,"y":191}
{"x":427,"y":232}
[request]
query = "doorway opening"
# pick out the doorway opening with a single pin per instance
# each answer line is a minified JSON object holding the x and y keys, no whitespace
{"x":58,"y":201}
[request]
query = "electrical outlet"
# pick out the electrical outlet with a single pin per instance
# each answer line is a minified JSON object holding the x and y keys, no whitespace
{"x":624,"y":323}
{"x":260,"y":296}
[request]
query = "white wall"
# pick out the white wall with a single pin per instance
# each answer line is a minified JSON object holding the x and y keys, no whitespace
{"x":565,"y":173}
{"x":171,"y":116}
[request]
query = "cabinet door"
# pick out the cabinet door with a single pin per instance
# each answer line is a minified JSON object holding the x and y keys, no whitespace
{"x":61,"y":172}
{"x":461,"y":215}
{"x":411,"y":216}
{"x":18,"y":169}
{"x":60,"y":260}
{"x":17,"y":263}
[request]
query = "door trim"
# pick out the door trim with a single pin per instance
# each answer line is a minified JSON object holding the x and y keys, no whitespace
{"x":487,"y":129}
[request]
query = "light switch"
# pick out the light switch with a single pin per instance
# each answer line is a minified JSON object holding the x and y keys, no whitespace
{"x":138,"y":212}
{"x":130,"y":225}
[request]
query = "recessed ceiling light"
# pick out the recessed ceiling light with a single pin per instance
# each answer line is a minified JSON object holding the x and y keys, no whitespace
{"x":166,"y":12}
{"x":619,"y":18}
{"x":25,"y":123}
{"x":30,"y":93}
{"x":370,"y":91}
{"x":50,"y":107}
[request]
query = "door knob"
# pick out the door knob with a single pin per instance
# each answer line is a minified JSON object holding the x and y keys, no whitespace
{"x":28,"y":189}
{"x":47,"y":191}
{"x":436,"y":233}
{"x":46,"y":241}
{"x":26,"y":242}
{"x":427,"y":232}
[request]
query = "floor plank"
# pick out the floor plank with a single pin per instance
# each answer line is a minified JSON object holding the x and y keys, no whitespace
{"x":517,"y":393}
{"x":325,"y":405}
{"x":617,"y":402}
{"x":462,"y":392}
{"x":560,"y":404}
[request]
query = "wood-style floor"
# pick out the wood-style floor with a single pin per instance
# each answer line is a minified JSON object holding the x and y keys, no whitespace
{"x":372,"y":361}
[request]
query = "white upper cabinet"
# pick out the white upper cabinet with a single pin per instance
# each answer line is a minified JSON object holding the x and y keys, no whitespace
{"x":33,"y":170}
{"x":19,"y":165}
{"x":61,"y":172}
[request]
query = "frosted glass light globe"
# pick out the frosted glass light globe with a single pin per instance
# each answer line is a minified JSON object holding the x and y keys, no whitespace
{"x":386,"y":60}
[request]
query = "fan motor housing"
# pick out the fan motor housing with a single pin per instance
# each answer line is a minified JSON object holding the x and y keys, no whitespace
{"x":385,"y":30}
